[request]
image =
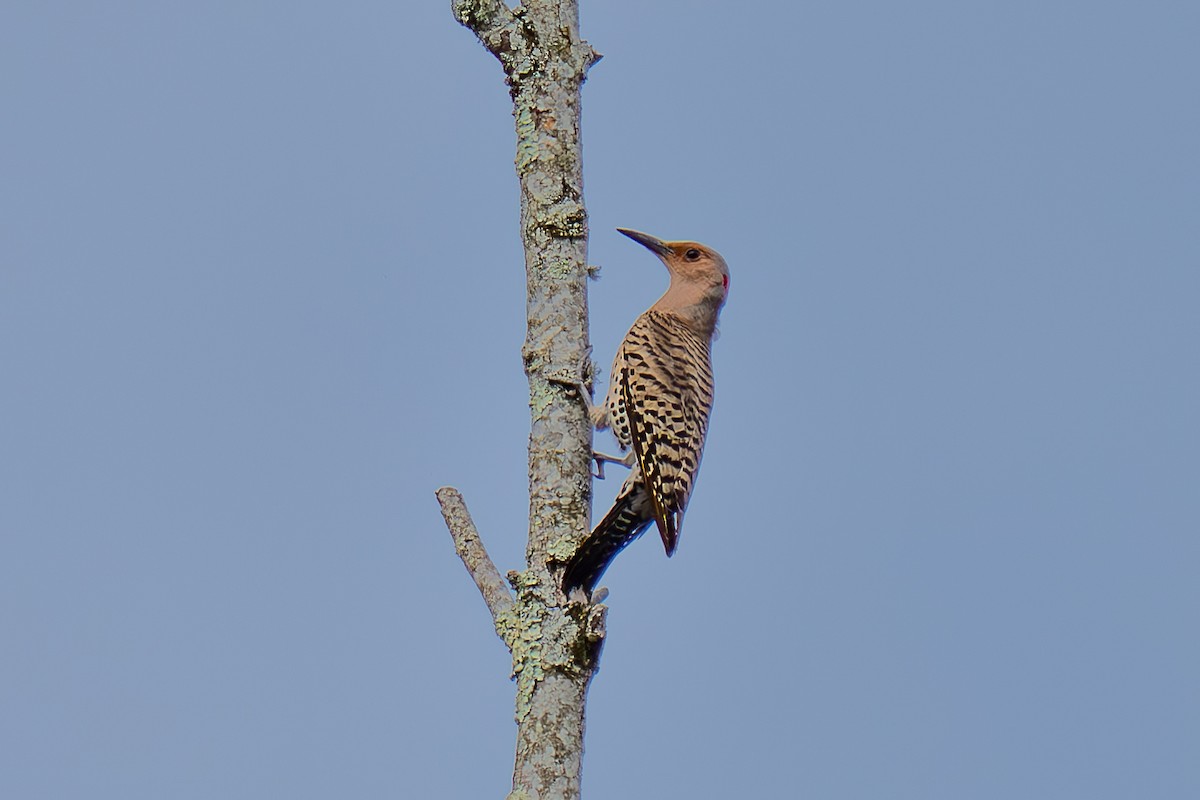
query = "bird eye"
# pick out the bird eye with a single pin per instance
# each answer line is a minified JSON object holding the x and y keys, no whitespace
{"x":692,"y":255}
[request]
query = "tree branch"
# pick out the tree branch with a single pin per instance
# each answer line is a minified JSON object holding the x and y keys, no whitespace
{"x":474,"y":556}
{"x":555,"y":643}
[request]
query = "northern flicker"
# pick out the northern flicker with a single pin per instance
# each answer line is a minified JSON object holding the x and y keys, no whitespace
{"x":659,"y":397}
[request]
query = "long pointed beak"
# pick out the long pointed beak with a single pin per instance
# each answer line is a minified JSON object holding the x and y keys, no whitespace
{"x":654,"y":245}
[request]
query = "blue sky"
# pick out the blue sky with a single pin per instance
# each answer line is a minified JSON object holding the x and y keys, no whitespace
{"x":261,"y":292}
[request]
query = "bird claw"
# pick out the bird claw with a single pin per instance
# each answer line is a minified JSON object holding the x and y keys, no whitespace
{"x":568,"y":379}
{"x":626,"y":461}
{"x":573,"y":380}
{"x":580,"y":595}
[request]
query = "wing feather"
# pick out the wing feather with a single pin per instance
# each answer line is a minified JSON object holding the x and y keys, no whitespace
{"x":665,"y":386}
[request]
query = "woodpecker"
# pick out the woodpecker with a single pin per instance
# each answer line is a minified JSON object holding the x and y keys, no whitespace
{"x":659,"y":397}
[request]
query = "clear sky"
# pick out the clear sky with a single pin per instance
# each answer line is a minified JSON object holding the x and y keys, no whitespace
{"x":261,"y":292}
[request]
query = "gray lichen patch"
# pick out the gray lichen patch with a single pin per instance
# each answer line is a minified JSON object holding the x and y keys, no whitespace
{"x":527,"y":142}
{"x":541,"y":395}
{"x":528,"y":642}
{"x":470,"y":13}
{"x":543,"y":188}
{"x":566,"y":219}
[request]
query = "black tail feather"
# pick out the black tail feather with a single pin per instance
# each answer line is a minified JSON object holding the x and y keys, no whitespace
{"x":620,"y":526}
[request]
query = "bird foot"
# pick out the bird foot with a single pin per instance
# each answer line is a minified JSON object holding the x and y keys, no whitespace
{"x":580,"y":595}
{"x":601,"y":459}
{"x":579,"y":379}
{"x":581,"y":385}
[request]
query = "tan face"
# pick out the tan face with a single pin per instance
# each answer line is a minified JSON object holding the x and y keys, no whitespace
{"x":690,"y":262}
{"x":696,"y":263}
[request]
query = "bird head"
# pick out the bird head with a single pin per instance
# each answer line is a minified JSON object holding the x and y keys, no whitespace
{"x":699,"y":276}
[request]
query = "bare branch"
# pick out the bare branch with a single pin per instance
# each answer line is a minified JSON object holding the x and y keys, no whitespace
{"x":555,"y":645}
{"x":474,"y":556}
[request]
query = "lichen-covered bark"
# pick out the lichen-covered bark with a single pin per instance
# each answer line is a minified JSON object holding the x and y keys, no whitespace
{"x":554,"y":644}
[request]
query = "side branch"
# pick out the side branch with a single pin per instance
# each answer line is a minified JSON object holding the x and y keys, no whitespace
{"x":474,"y":556}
